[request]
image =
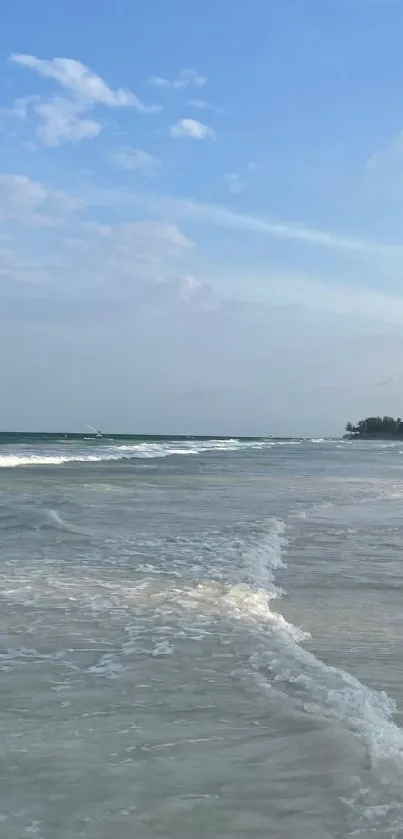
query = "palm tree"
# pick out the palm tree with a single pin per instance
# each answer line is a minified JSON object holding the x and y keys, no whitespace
{"x":376,"y":426}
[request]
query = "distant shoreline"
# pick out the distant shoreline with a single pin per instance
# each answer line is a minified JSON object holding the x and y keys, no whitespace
{"x":375,"y":428}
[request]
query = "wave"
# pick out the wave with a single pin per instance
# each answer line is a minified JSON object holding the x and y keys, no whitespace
{"x":321,"y":689}
{"x":100,"y":452}
{"x":277,"y":655}
{"x":10,"y":461}
{"x":145,"y":451}
{"x":248,"y":601}
{"x":92,"y":451}
{"x":281,"y":658}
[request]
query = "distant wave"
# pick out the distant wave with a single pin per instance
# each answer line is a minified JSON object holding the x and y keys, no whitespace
{"x":145,"y":451}
{"x":58,"y":455}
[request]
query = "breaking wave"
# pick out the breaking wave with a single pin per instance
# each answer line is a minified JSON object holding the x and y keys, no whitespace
{"x":52,"y":456}
{"x":91,"y":451}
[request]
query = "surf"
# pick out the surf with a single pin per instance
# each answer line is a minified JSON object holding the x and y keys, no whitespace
{"x":100,"y":452}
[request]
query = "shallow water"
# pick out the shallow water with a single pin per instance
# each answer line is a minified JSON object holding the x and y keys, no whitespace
{"x":201,"y":646}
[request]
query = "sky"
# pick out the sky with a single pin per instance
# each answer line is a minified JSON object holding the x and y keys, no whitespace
{"x":201,"y":209}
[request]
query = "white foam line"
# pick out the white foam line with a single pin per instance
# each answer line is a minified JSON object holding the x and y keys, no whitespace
{"x":126,"y":452}
{"x":333,"y":691}
{"x":147,"y":451}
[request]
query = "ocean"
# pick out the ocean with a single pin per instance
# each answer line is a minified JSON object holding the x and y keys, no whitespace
{"x":200,"y":638}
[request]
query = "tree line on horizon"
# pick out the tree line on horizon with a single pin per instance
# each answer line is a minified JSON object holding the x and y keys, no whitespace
{"x":376,"y":426}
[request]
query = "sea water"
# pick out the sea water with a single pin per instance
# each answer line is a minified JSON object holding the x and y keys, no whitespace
{"x":201,"y":639}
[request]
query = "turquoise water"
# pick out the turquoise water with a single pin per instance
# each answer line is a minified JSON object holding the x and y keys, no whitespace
{"x":200,"y":638}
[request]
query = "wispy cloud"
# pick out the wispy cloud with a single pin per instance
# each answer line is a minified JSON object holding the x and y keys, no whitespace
{"x":221,"y":215}
{"x":334,"y":298}
{"x":80,"y":252}
{"x":64,"y":120}
{"x":82,"y":82}
{"x":187,"y":78}
{"x":136,"y":160}
{"x":61,"y":122}
{"x":17,"y":269}
{"x":164,"y":205}
{"x":22,"y":105}
{"x":234,"y":183}
{"x":389,"y":156}
{"x":203,"y":105}
{"x":142,"y":236}
{"x":125,"y":259}
{"x":191,"y":128}
{"x":31,"y":203}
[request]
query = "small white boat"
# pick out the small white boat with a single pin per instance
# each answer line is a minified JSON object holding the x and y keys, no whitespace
{"x":98,"y":434}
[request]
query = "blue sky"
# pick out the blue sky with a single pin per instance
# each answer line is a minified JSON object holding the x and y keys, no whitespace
{"x":200,"y":214}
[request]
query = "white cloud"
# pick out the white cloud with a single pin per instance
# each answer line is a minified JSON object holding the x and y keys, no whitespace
{"x":235,"y":183}
{"x":190,"y":286}
{"x":197,"y":294}
{"x":187,"y":78}
{"x":191,"y":128}
{"x":82,"y":82}
{"x":190,"y":77}
{"x":143,"y":234}
{"x":30,"y":203}
{"x":22,"y":105}
{"x":64,"y":120}
{"x":61,"y":122}
{"x":137,"y":160}
{"x":157,"y":81}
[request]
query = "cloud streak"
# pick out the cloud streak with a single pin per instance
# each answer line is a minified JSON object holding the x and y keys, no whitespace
{"x":225,"y":217}
{"x":135,"y":160}
{"x":164,"y":205}
{"x":187,"y":78}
